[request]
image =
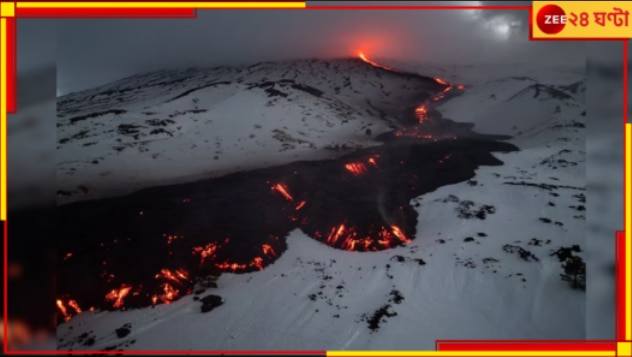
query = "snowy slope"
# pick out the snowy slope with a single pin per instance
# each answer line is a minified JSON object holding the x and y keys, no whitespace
{"x":175,"y":126}
{"x":463,"y":277}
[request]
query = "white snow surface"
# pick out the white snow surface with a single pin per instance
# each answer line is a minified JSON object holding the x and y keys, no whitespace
{"x":317,"y":297}
{"x":179,"y":126}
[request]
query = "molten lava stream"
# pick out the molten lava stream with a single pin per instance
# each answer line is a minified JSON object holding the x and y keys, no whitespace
{"x":116,"y":296}
{"x":363,"y":57}
{"x":283,"y":190}
{"x":441,"y":81}
{"x":346,"y":237}
{"x":356,"y":168}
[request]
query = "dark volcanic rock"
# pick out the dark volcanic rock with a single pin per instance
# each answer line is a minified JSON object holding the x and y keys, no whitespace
{"x":123,"y":331}
{"x":210,"y":302}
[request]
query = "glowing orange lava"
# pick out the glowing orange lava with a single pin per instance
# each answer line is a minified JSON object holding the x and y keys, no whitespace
{"x":421,"y":112}
{"x":172,"y":237}
{"x":356,"y":168}
{"x":335,"y":234}
{"x":64,"y":311}
{"x":117,"y":295}
{"x":267,"y":250}
{"x":182,"y":274}
{"x":460,"y":87}
{"x":208,"y":251}
{"x":300,"y":205}
{"x":440,"y":81}
{"x":75,"y":306}
{"x":226,"y":266}
{"x":283,"y":190}
{"x":179,"y":276}
{"x":258,"y":262}
{"x":168,"y":295}
{"x":399,"y":234}
{"x":347,"y":237}
{"x":372,"y":161}
{"x":363,"y":57}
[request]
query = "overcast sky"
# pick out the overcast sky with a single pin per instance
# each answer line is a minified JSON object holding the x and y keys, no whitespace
{"x":94,"y":52}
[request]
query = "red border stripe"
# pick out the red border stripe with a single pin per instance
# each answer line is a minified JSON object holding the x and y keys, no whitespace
{"x":11,"y":65}
{"x":175,"y":352}
{"x":105,"y":13}
{"x":620,"y":285}
{"x":5,"y":275}
{"x":527,"y":346}
{"x":414,"y":7}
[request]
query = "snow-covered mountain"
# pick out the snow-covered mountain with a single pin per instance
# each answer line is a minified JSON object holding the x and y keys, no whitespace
{"x":485,"y":261}
{"x":175,"y":126}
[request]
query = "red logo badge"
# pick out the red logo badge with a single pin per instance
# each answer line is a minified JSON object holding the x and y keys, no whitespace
{"x":551,"y":19}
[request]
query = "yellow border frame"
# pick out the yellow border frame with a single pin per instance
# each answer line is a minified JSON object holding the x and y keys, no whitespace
{"x":8,"y":9}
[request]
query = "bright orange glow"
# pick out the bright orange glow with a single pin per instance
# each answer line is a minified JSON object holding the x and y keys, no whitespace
{"x":440,"y":81}
{"x":178,"y":276}
{"x":182,"y":274}
{"x":283,"y":190}
{"x":267,"y":250}
{"x":399,"y":234}
{"x":421,"y":112}
{"x":300,"y":205}
{"x":169,"y":294}
{"x":172,"y":237}
{"x":258,"y":262}
{"x":460,"y":87}
{"x":64,"y":311}
{"x":348,"y":238}
{"x":335,"y":234}
{"x":356,"y":168}
{"x":372,"y":161}
{"x":208,"y":251}
{"x":231,"y":266}
{"x":75,"y":306}
{"x":363,"y":57}
{"x":117,"y":295}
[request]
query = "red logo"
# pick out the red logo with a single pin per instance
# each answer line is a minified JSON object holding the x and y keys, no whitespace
{"x":551,"y":19}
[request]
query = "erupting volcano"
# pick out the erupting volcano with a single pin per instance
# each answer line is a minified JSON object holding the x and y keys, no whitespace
{"x":176,"y":236}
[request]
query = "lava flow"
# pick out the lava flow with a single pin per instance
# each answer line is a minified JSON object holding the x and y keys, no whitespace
{"x":441,"y":81}
{"x":168,"y":294}
{"x":208,"y":251}
{"x":282,"y":189}
{"x":359,"y":168}
{"x":348,"y":238}
{"x":237,"y":223}
{"x":363,"y":57}
{"x":65,"y":312}
{"x":356,"y":168}
{"x":179,"y":276}
{"x":116,"y":296}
